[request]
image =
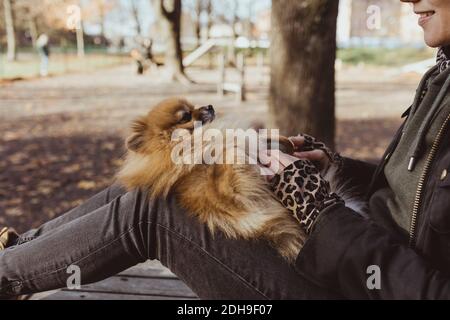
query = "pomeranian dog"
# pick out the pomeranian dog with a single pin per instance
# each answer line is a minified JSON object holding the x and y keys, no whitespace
{"x":233,"y":198}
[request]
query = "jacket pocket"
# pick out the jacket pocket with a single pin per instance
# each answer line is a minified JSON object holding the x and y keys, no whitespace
{"x":440,"y":204}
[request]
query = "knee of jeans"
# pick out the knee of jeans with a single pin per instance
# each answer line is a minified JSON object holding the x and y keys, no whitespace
{"x":141,"y":214}
{"x":149,"y":212}
{"x":114,"y":191}
{"x":138,"y":204}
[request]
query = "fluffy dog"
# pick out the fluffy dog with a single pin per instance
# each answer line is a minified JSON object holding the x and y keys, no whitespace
{"x":232,"y":198}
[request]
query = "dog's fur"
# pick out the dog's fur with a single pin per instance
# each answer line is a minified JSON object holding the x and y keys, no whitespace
{"x":234,"y":199}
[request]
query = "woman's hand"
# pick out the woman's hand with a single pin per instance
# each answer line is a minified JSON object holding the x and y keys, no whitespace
{"x":275,"y":162}
{"x":309,"y":148}
{"x":306,"y":148}
{"x":301,"y":188}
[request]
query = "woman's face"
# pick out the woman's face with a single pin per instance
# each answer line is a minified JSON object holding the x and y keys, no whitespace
{"x":434,"y":18}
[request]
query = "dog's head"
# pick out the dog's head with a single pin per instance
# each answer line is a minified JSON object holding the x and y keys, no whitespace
{"x":164,"y":119}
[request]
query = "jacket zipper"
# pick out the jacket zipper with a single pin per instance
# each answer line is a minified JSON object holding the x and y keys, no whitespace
{"x":418,"y":197}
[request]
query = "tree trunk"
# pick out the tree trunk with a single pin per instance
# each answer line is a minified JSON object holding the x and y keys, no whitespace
{"x":198,"y":22}
{"x":209,"y":9}
{"x":135,"y":14}
{"x":32,"y":26}
{"x":174,"y":54}
{"x":102,"y":17}
{"x":76,"y":22}
{"x":10,"y":32}
{"x":302,"y":89}
{"x":80,"y":41}
{"x":232,"y":56}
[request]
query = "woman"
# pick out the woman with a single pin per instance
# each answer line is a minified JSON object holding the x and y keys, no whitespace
{"x":407,"y":237}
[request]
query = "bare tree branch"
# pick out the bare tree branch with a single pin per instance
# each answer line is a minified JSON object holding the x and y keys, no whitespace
{"x":165,"y":12}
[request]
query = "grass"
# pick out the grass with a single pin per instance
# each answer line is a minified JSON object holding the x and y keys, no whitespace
{"x":28,"y":64}
{"x":384,"y":57}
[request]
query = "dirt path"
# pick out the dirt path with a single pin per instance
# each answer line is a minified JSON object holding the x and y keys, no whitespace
{"x":61,"y":138}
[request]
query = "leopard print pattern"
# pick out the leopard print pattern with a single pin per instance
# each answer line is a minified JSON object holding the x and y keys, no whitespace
{"x":442,"y":60}
{"x":311,"y":144}
{"x":302,"y":190}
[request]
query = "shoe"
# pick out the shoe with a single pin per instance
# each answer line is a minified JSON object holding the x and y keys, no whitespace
{"x":7,"y":237}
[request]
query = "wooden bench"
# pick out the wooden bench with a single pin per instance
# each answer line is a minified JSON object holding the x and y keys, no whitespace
{"x":147,"y":281}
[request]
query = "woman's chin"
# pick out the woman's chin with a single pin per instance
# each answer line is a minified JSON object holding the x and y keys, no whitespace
{"x":434,"y":40}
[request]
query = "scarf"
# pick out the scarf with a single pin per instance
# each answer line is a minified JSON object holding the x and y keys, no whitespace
{"x":443,"y":59}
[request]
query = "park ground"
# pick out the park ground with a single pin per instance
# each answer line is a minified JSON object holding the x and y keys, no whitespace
{"x":61,"y":138}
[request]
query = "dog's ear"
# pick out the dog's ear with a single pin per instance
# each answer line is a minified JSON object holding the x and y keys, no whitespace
{"x":136,"y":140}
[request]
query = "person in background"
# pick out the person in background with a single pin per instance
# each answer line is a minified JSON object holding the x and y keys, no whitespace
{"x":43,"y":48}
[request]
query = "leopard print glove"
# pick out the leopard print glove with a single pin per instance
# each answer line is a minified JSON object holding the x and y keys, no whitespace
{"x":301,"y":189}
{"x":311,"y":144}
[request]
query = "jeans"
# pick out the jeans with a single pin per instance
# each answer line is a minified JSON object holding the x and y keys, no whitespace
{"x":44,"y":65}
{"x":116,"y":230}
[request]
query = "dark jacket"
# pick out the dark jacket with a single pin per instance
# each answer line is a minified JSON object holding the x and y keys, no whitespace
{"x":343,"y":246}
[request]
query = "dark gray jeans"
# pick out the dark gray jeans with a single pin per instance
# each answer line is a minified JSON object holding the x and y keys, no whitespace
{"x":116,"y":230}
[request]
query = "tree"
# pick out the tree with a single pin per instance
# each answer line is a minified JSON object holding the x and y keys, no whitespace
{"x":75,"y":22}
{"x":27,"y":16}
{"x":302,"y":89}
{"x":170,"y":11}
{"x":58,"y":18}
{"x":96,"y":11}
{"x":227,"y":12}
{"x":209,"y":13}
{"x":135,"y":16}
{"x":201,"y":10}
{"x":198,"y":21}
{"x":10,"y":30}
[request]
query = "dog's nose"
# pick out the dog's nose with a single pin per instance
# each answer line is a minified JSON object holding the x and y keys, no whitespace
{"x":207,"y":113}
{"x":210,"y":109}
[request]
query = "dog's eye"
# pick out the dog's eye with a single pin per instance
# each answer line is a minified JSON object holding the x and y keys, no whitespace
{"x":187,"y":116}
